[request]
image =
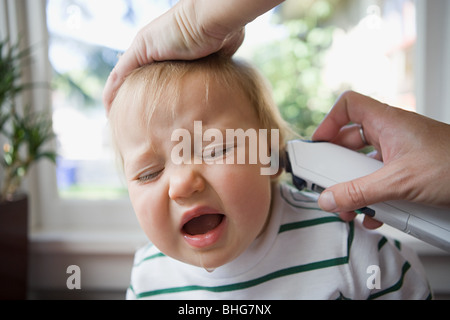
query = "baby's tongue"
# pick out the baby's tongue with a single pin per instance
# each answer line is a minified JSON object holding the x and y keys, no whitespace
{"x":202,"y":224}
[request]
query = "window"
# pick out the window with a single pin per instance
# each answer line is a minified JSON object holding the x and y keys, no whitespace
{"x":371,"y":54}
{"x":328,"y":47}
{"x":85,"y":40}
{"x":375,"y":55}
{"x":300,"y":46}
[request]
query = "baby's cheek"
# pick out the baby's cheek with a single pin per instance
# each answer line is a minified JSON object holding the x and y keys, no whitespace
{"x":250,"y":197}
{"x":152,"y":216}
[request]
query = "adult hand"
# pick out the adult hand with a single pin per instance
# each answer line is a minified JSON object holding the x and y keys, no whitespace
{"x":191,"y":29}
{"x":415,"y":151}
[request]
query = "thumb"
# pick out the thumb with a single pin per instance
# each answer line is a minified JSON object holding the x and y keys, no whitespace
{"x":353,"y":195}
{"x":232,"y":42}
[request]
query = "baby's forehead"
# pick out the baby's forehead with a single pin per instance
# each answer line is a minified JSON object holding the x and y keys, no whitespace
{"x":182,"y":104}
{"x":194,"y":92}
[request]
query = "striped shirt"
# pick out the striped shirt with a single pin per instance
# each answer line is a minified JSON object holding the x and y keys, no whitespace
{"x":304,"y":253}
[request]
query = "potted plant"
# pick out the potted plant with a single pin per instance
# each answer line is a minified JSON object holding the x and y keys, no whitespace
{"x":23,"y":136}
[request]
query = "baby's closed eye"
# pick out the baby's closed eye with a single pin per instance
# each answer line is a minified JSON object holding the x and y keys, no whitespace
{"x":149,"y":176}
{"x":214,"y":152}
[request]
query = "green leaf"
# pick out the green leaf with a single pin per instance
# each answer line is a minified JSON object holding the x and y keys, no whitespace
{"x":25,"y":132}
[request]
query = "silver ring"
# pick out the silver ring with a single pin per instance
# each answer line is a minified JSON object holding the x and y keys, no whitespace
{"x":363,"y":137}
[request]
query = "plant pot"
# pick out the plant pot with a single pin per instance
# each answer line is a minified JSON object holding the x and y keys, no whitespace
{"x":14,"y":248}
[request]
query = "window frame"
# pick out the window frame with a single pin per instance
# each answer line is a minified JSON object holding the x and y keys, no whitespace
{"x":48,"y":211}
{"x":432,"y":63}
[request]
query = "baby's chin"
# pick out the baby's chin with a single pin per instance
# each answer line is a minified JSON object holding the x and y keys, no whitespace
{"x":214,"y":257}
{"x":210,"y":261}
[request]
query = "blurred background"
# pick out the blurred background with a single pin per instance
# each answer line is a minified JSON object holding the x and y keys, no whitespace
{"x":310,"y":50}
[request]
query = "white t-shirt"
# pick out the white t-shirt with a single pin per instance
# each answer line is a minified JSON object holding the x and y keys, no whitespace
{"x":305,"y":253}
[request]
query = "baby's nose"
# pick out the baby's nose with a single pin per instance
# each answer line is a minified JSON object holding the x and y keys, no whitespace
{"x":185,"y":182}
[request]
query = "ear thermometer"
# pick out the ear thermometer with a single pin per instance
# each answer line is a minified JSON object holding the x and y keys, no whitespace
{"x":319,"y":165}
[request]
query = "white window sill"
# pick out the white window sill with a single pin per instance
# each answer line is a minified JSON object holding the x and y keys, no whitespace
{"x":105,"y":259}
{"x":86,"y":242}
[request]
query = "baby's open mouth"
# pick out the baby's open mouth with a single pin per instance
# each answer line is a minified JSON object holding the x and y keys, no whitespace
{"x":202,"y":224}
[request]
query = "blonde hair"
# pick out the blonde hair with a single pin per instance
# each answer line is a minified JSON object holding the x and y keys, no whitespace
{"x":155,"y":86}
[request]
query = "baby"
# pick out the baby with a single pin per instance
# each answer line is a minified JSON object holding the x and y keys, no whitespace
{"x":220,"y":224}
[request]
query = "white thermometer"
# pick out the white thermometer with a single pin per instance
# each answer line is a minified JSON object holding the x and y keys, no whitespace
{"x":319,"y":165}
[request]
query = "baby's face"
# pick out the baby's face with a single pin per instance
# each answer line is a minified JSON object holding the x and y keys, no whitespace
{"x":200,"y":213}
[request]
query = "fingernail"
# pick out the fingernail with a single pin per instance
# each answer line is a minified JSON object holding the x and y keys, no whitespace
{"x":327,"y":201}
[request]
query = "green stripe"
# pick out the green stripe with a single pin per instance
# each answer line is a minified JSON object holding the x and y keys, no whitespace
{"x":132,"y":289}
{"x":395,"y":287}
{"x":381,"y":243}
{"x":307,"y":223}
{"x":153,"y":256}
{"x":351,"y":234}
{"x":254,"y":282}
{"x":342,"y":297}
{"x":398,"y":244}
